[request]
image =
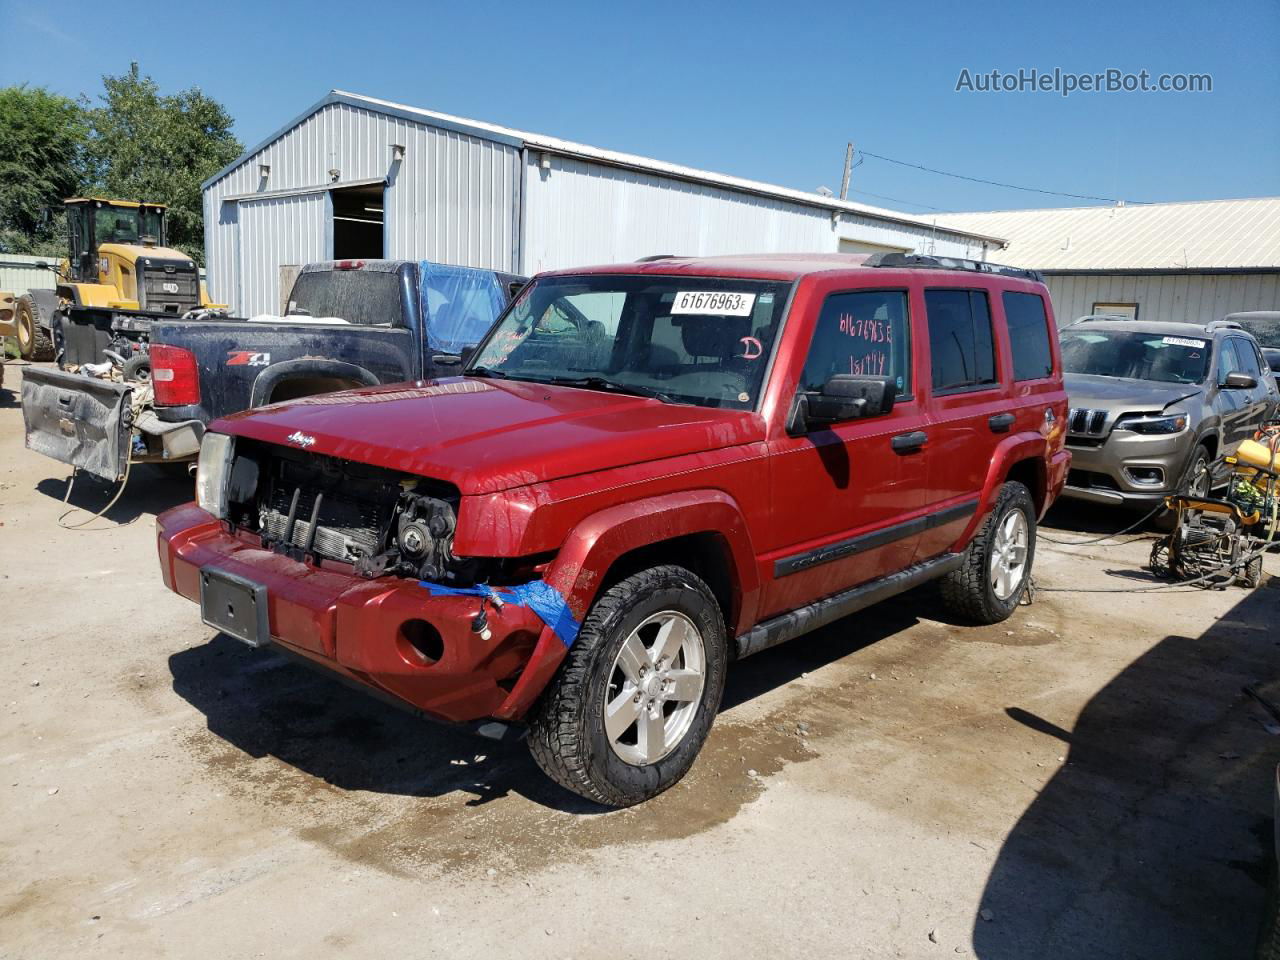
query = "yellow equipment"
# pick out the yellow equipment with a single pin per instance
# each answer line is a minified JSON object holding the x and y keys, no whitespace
{"x":117,"y":263}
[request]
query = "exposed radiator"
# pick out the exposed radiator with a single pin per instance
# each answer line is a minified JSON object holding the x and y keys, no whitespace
{"x":346,"y":528}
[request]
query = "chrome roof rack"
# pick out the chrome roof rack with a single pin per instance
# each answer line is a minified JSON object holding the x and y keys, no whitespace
{"x":922,"y":261}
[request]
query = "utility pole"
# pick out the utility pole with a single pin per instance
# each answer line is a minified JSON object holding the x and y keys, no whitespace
{"x":848,"y":170}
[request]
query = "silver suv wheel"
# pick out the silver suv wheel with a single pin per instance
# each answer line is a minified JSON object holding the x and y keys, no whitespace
{"x":654,"y":688}
{"x":1009,"y":555}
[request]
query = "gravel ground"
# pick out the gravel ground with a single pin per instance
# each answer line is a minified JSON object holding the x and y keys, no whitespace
{"x":1086,"y":780}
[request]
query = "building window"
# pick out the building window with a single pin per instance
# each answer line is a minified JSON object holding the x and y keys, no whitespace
{"x":863,"y":333}
{"x":1028,"y":335}
{"x":1127,"y":310}
{"x":960,"y":341}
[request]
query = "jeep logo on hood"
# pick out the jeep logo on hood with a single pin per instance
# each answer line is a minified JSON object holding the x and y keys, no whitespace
{"x":301,"y":439}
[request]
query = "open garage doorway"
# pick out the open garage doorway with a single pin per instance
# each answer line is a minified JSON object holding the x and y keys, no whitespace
{"x":358,"y":217}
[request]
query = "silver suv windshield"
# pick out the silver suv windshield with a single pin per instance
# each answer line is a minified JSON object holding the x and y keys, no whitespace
{"x":699,"y":340}
{"x":1136,"y":356}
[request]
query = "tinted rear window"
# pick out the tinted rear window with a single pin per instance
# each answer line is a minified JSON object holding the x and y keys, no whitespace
{"x":1028,"y":335}
{"x":960,"y":340}
{"x":370,"y":298}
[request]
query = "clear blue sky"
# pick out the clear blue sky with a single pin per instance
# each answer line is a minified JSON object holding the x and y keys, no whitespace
{"x":770,"y":91}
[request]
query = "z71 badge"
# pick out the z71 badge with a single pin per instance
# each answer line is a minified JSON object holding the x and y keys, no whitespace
{"x":247,"y":358}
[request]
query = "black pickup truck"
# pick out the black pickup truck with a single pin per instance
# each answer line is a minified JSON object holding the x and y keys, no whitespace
{"x":142,"y":391}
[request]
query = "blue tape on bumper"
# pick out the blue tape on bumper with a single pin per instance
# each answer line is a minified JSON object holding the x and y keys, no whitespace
{"x":540,"y":597}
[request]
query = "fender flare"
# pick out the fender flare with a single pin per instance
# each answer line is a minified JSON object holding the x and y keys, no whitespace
{"x":46,"y":304}
{"x":598,"y":540}
{"x":1012,"y":449}
{"x":278,"y":373}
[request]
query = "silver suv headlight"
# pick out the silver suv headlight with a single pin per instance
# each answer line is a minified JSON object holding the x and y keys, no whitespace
{"x":213,"y":472}
{"x":1144,"y":424}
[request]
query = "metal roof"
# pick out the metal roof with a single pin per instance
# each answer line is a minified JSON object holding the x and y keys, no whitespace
{"x":536,"y":142}
{"x":1169,"y":237}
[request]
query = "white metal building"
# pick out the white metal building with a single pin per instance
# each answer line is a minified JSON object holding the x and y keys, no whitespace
{"x":1161,"y":261}
{"x":362,"y":178}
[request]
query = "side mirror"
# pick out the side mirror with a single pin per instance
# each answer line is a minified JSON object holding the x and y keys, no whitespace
{"x":467,"y":353}
{"x":848,"y":397}
{"x":514,"y":288}
{"x":1239,"y":381}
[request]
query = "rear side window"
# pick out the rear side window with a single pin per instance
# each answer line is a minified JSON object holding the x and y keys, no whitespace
{"x":863,"y":333}
{"x":960,"y":341}
{"x":1028,"y":335}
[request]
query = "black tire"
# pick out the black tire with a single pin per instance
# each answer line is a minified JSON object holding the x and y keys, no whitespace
{"x":137,"y":367}
{"x":968,"y":591}
{"x":567,"y":731}
{"x":33,"y":342}
{"x":1252,"y":574}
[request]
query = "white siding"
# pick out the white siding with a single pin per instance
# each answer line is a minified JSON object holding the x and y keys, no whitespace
{"x":1187,"y":296}
{"x":19,"y":273}
{"x":453,"y":198}
{"x":580,"y":212}
{"x":456,"y":198}
{"x":284,"y":230}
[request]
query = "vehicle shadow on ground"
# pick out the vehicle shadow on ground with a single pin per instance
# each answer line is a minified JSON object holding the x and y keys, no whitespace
{"x":1154,"y":839}
{"x":265,"y":703}
{"x":1081,"y":519}
{"x":151,"y":490}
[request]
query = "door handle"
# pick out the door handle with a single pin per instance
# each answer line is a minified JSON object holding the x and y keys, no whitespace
{"x":1001,"y":422}
{"x":909,"y":442}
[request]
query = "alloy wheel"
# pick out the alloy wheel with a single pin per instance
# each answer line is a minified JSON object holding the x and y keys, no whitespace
{"x":655,"y":687}
{"x":1009,"y":555}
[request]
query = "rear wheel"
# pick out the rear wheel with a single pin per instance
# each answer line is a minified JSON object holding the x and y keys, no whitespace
{"x":637,"y":693}
{"x":33,"y":341}
{"x":989,"y":584}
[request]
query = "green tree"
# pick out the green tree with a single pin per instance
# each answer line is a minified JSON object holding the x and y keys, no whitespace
{"x":159,"y":148}
{"x":42,"y":162}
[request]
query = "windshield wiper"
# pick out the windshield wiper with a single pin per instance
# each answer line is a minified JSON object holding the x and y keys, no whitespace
{"x":602,"y":383}
{"x":485,"y":372}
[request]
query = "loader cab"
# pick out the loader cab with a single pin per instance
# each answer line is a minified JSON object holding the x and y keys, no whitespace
{"x":93,"y":222}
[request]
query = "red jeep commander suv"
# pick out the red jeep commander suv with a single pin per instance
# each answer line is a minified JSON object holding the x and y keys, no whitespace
{"x":645,"y":472}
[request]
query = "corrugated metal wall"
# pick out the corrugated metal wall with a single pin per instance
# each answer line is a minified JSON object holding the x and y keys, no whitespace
{"x":456,"y":197}
{"x":284,"y":230}
{"x":19,"y":273}
{"x":1195,"y":297}
{"x":580,"y":212}
{"x":453,"y":198}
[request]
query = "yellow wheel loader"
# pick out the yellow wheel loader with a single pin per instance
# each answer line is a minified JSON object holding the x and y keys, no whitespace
{"x":118,"y":271}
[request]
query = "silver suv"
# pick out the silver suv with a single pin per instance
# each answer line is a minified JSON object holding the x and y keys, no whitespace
{"x":1154,"y":404}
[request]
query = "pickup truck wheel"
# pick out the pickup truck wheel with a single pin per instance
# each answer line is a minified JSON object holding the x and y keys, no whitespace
{"x":638,"y":691}
{"x":33,"y":342}
{"x":989,"y":584}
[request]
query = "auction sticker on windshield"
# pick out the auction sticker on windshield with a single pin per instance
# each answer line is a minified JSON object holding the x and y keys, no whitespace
{"x":1183,"y":342}
{"x":720,"y":303}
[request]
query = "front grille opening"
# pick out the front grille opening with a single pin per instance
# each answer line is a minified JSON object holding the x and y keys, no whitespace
{"x":420,"y":642}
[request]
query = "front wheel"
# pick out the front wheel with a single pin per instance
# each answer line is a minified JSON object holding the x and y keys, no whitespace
{"x":990,"y":582}
{"x":637,"y":693}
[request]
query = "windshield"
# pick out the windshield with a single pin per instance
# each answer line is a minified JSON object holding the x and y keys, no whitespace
{"x":699,"y":340}
{"x":370,"y":298}
{"x":1135,"y":356}
{"x":1265,"y":330}
{"x":116,"y":225}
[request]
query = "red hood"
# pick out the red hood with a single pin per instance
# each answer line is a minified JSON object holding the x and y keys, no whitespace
{"x":486,"y":435}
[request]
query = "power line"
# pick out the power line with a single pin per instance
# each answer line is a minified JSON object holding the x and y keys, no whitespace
{"x":909,"y":203}
{"x":994,"y":183}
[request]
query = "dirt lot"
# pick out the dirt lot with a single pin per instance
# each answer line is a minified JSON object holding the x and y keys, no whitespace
{"x":1086,"y":780}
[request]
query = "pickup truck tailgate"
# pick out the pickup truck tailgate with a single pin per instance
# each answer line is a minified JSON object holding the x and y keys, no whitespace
{"x":79,"y":420}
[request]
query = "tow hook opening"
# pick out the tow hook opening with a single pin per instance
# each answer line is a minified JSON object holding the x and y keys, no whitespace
{"x":420,"y":642}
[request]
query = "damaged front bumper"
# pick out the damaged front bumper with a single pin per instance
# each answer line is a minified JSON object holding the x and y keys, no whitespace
{"x":99,"y":425}
{"x":394,"y":636}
